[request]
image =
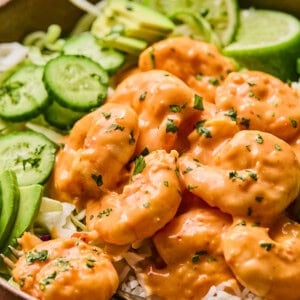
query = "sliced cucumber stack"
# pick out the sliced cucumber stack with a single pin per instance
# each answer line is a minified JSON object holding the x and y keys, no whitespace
{"x":76,"y":82}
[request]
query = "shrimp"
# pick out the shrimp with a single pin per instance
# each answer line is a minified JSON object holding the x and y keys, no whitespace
{"x":166,"y":106}
{"x":261,"y":102}
{"x":200,"y":65}
{"x":94,"y":155}
{"x":265,"y":260}
{"x":191,"y":249}
{"x":253,"y":173}
{"x":146,"y":204}
{"x":65,"y":269}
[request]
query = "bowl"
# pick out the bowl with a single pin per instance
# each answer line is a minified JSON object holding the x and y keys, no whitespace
{"x":19,"y":17}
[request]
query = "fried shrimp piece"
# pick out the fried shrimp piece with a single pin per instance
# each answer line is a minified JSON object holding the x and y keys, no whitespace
{"x":265,"y":260}
{"x":253,"y":173}
{"x":197,"y":63}
{"x":146,"y":204}
{"x":261,"y":102}
{"x":63,"y":269}
{"x":191,"y":249}
{"x":166,"y":106}
{"x":94,"y":155}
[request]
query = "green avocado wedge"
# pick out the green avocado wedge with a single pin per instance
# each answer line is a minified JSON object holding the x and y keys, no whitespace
{"x":10,"y":198}
{"x":30,"y":201}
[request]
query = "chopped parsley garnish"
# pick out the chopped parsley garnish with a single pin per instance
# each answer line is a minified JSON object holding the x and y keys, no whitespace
{"x":197,"y":254}
{"x":139,"y":165}
{"x":145,"y":151}
{"x":213,"y":81}
{"x":277,"y":147}
{"x":233,"y":175}
{"x":198,"y":102}
{"x":241,"y":223}
{"x":143,"y":96}
{"x":187,"y":170}
{"x":171,"y":127}
{"x":294,"y":123}
{"x":113,"y":127}
{"x":131,"y":138}
{"x":267,"y":246}
{"x":106,"y":115}
{"x":203,"y":130}
{"x":146,"y":204}
{"x":232,"y":114}
{"x":191,"y":187}
{"x":259,"y":139}
{"x":34,"y":256}
{"x":166,"y":183}
{"x":152,"y":58}
{"x":90,"y":263}
{"x":97,"y":179}
{"x":104,"y":213}
{"x":46,"y":281}
{"x":253,"y":175}
{"x":245,"y":122}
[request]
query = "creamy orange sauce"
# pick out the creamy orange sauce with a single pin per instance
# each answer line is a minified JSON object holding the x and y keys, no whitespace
{"x":194,"y":158}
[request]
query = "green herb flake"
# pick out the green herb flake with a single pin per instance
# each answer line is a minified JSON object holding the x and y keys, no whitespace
{"x":145,"y":152}
{"x":233,"y":175}
{"x":104,"y":213}
{"x":97,"y":179}
{"x":241,"y":223}
{"x":211,"y":259}
{"x":267,"y":246}
{"x":166,"y":183}
{"x":175,"y":108}
{"x":248,"y":147}
{"x":251,"y":94}
{"x":259,"y":198}
{"x":245,"y":122}
{"x":187,"y":170}
{"x":199,"y":77}
{"x":259,"y":139}
{"x":253,"y":175}
{"x":202,"y":130}
{"x":90,"y":263}
{"x":294,"y":123}
{"x":251,"y":83}
{"x":106,"y":115}
{"x":197,"y":255}
{"x":277,"y":147}
{"x":46,"y":281}
{"x":232,"y":114}
{"x":114,"y":127}
{"x":198,"y":102}
{"x":152,"y":58}
{"x":34,"y":256}
{"x":192,"y":187}
{"x":143,"y":96}
{"x":139,"y":165}
{"x":131,"y":140}
{"x":21,"y":282}
{"x":171,"y":127}
{"x":214,"y":81}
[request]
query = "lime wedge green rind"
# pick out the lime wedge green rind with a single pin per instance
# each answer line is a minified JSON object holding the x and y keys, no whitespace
{"x":259,"y":46}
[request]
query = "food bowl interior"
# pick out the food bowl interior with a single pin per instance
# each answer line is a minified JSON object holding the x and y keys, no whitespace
{"x":17,"y":18}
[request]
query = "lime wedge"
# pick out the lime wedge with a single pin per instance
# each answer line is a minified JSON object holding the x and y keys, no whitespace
{"x":268,"y":41}
{"x":222,"y":15}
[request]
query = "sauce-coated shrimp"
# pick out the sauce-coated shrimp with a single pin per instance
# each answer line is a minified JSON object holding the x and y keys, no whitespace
{"x":66,"y":269}
{"x":146,"y":204}
{"x":166,"y":106}
{"x":252,"y":174}
{"x":94,"y":155}
{"x":265,"y":260}
{"x":191,"y":250}
{"x":261,"y":102}
{"x":199,"y":64}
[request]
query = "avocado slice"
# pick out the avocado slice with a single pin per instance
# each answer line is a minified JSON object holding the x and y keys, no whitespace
{"x":10,"y":198}
{"x":30,"y":201}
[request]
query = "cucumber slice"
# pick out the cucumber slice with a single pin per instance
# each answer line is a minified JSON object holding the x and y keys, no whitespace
{"x":30,"y":201}
{"x":76,"y":82}
{"x":10,"y":198}
{"x":23,"y":94}
{"x":86,"y":44}
{"x":30,"y":154}
{"x":61,"y":117}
